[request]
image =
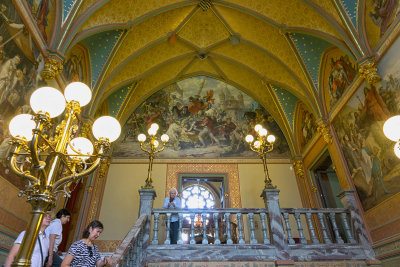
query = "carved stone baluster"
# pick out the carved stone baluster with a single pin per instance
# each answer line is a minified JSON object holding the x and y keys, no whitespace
{"x":335,"y":228}
{"x":253,"y":239}
{"x":180,"y":241}
{"x":288,"y":229}
{"x":216,"y":239}
{"x":300,"y":228}
{"x":264,"y":228}
{"x":155,"y":229}
{"x":239,"y":218}
{"x":321,"y":218}
{"x":311,"y":227}
{"x":205,"y":239}
{"x":347,"y":228}
{"x":228,"y":228}
{"x":192,"y":241}
{"x":167,"y":238}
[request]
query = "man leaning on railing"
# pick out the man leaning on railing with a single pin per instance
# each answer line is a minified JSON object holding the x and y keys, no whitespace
{"x":173,"y":202}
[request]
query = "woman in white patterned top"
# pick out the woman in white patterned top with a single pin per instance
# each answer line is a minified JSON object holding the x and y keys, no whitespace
{"x":84,"y":253}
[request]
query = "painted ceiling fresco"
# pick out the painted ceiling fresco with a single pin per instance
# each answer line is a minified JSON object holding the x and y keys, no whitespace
{"x":204,"y":118}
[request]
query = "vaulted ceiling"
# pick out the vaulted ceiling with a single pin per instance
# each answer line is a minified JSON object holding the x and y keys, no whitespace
{"x":272,"y":50}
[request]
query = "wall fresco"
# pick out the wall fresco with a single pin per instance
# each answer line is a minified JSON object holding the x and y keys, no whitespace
{"x":374,"y":168}
{"x":204,"y":118}
{"x":338,"y":73}
{"x":307,"y":126}
{"x":20,"y":68}
{"x":43,"y":11}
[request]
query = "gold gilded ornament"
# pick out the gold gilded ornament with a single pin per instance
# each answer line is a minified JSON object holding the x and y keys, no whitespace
{"x":368,"y":70}
{"x":323,"y":130}
{"x":52,"y":67}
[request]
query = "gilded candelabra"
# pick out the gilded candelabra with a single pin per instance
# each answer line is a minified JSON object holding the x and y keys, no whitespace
{"x":263,"y":144}
{"x":391,"y":129}
{"x":152,"y":147}
{"x":51,"y":158}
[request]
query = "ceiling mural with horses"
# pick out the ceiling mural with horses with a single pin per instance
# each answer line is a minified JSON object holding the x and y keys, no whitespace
{"x":204,"y":118}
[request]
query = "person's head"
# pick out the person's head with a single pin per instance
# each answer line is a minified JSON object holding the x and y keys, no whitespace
{"x":93,"y":230}
{"x":173,"y":192}
{"x":64,"y":215}
{"x":46,"y":219}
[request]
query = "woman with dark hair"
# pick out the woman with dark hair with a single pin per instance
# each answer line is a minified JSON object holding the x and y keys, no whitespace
{"x":84,"y":253}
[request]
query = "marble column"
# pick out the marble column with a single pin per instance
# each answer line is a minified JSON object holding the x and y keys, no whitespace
{"x":277,"y":233}
{"x":147,"y":197}
{"x":347,"y":197}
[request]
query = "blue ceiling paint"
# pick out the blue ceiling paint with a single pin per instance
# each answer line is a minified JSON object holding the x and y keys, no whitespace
{"x":100,"y":46}
{"x":351,"y":9}
{"x":311,"y":50}
{"x":116,"y":99}
{"x":67,"y":6}
{"x":288,"y":103}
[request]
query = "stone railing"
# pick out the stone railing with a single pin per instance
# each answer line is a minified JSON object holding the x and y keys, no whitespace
{"x":130,"y":252}
{"x":221,"y":224}
{"x":283,"y":236}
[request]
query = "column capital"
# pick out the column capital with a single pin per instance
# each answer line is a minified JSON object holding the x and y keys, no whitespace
{"x":53,"y":66}
{"x":298,"y":168}
{"x":369,"y":71}
{"x":323,"y":128}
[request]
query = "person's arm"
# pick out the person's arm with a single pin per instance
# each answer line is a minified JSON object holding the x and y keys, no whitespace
{"x":52,"y":240}
{"x":178,"y":203}
{"x":101,"y":263}
{"x":166,"y":202}
{"x":67,"y":260}
{"x":11,"y":255}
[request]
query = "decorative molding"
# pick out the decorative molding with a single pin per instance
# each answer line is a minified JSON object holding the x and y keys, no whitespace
{"x":107,"y":245}
{"x":298,"y":168}
{"x":369,"y":71}
{"x":231,"y":171}
{"x":324,"y":130}
{"x":53,"y":66}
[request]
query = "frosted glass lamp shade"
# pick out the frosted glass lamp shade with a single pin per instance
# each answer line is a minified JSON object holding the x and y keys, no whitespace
{"x":152,"y":131}
{"x":391,"y":128}
{"x":81,"y":145}
{"x":271,"y":138}
{"x":164,"y":138}
{"x":397,"y":149}
{"x":78,"y":92}
{"x":106,"y":127}
{"x":21,"y":126}
{"x":48,"y":99}
{"x":155,"y":126}
{"x":258,"y":127}
{"x":141,"y":138}
{"x":263,"y":132}
{"x":156,"y":143}
{"x":257,"y":144}
{"x":249,"y":138}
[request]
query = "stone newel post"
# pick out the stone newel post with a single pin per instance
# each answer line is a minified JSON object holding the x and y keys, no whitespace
{"x":271,"y":198}
{"x":147,"y":197}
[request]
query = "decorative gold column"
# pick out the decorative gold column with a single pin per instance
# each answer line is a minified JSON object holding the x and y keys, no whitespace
{"x":323,"y":128}
{"x":53,"y":66}
{"x":369,"y":71}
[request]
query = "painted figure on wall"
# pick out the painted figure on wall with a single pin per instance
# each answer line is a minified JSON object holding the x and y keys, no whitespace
{"x":308,"y":127}
{"x":342,"y":73}
{"x":40,"y":10}
{"x":382,"y":13}
{"x":20,"y":67}
{"x":337,"y":75}
{"x":203,"y":117}
{"x":73,"y":68}
{"x":369,"y":154}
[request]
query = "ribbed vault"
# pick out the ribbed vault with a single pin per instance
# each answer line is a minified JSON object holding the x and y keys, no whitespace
{"x":260,"y":47}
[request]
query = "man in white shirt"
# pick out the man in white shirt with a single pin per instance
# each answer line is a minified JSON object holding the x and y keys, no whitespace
{"x":54,"y":233}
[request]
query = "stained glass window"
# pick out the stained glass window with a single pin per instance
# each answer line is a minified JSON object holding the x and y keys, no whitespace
{"x":197,"y":197}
